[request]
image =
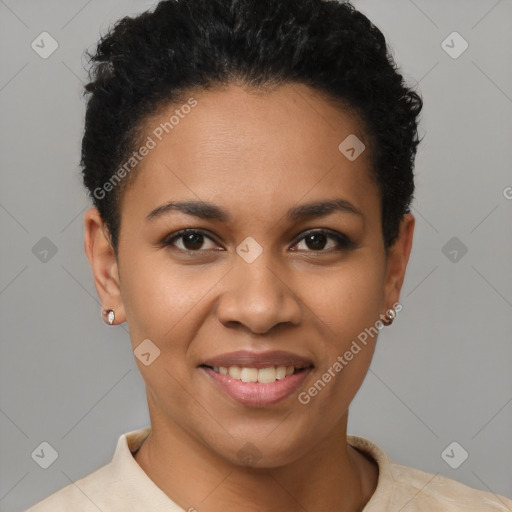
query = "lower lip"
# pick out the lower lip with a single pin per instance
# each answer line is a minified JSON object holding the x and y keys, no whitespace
{"x":256,"y":394}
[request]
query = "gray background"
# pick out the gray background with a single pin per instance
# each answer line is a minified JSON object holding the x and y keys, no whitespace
{"x":440,"y":374}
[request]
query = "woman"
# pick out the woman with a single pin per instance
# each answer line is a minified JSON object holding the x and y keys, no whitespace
{"x":251,"y":168}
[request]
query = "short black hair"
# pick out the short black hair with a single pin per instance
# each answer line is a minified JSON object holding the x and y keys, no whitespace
{"x":146,"y":62}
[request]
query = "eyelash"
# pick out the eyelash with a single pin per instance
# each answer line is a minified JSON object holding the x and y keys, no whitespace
{"x":344,"y":243}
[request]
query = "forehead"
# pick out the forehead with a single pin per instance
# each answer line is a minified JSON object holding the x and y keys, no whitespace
{"x":251,"y":145}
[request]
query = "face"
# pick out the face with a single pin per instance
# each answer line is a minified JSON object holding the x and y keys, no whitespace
{"x":261,"y":280}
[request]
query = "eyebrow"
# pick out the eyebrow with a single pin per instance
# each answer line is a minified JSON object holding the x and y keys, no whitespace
{"x":209,"y":211}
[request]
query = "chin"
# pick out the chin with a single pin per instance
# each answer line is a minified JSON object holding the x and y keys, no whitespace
{"x":260,"y":452}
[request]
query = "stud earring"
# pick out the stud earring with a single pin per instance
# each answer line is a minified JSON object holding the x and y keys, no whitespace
{"x":389,"y":317}
{"x":110,"y":315}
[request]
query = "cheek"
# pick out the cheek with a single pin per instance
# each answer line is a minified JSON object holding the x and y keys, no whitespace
{"x":147,"y":299}
{"x":347,"y":307}
{"x":348,"y":312}
{"x":162,"y":299}
{"x":161,"y":304}
{"x":347,"y":299}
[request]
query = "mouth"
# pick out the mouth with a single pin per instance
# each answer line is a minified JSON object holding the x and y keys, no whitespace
{"x":257,"y":380}
{"x":265,"y":375}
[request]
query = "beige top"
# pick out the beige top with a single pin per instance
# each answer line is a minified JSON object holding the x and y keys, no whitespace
{"x":122,"y":486}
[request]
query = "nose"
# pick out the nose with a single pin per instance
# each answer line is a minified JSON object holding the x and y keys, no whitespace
{"x":258,"y":296}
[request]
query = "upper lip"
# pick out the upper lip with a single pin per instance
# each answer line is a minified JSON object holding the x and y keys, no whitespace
{"x":248,"y":359}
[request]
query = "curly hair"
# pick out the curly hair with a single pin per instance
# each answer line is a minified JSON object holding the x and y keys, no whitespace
{"x":149,"y":61}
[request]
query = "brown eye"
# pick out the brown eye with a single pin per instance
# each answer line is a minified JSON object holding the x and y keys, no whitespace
{"x":317,"y":241}
{"x":191,"y":240}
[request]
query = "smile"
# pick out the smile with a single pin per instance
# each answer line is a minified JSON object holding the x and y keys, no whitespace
{"x":263,"y":375}
{"x":257,"y":380}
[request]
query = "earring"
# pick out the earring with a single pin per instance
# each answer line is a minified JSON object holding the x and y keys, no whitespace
{"x":110,"y":315}
{"x":389,"y":317}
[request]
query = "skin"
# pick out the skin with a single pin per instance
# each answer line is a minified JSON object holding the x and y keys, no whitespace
{"x":256,"y":154}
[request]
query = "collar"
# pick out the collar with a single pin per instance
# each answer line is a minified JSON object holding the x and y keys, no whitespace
{"x":141,"y":489}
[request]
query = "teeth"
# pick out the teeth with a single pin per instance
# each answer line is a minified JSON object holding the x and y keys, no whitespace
{"x":234,"y":372}
{"x":266,"y":375}
{"x":280,"y":372}
{"x":249,"y":375}
{"x":262,"y":375}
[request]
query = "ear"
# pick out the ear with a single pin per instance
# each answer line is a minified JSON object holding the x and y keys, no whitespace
{"x":397,"y":260}
{"x":102,"y":258}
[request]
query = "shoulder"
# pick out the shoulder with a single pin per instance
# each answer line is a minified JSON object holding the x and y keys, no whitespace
{"x":88,"y":493}
{"x":119,"y":486}
{"x":413,"y":490}
{"x":419,"y":491}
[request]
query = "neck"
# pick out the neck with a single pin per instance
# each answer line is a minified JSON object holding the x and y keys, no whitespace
{"x":331,"y":476}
